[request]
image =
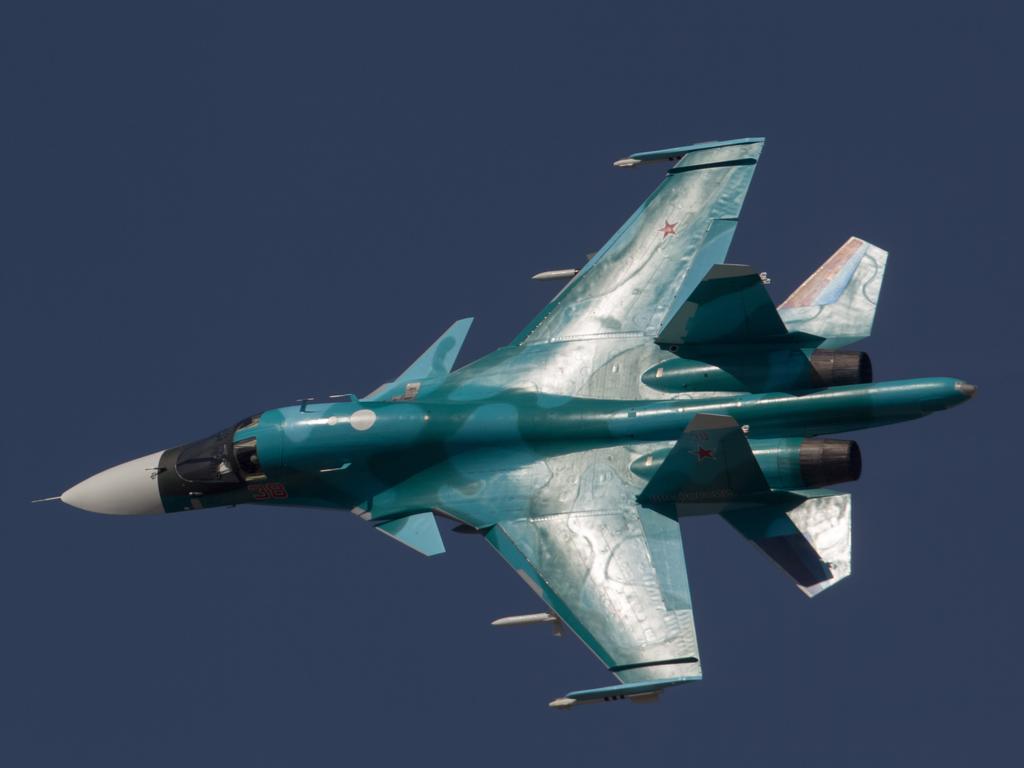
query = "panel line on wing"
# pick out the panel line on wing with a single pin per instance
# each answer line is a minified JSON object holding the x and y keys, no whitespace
{"x":664,"y":662}
{"x":723,"y":164}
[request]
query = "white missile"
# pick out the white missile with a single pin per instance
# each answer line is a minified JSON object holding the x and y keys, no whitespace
{"x":563,"y":703}
{"x":530,"y":618}
{"x":556,"y":274}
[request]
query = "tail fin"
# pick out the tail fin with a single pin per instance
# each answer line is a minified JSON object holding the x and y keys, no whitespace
{"x":729,"y":306}
{"x":730,"y":472}
{"x":838,"y":301}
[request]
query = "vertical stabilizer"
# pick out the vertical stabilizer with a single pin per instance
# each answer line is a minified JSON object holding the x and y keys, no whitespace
{"x":838,"y":301}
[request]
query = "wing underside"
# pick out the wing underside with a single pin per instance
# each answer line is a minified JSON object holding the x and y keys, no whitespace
{"x":602,"y":546}
{"x":571,"y":526}
{"x":618,"y":579}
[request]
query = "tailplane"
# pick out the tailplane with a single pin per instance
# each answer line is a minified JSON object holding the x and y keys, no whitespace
{"x":809,"y":539}
{"x":806,"y":532}
{"x":838,"y":301}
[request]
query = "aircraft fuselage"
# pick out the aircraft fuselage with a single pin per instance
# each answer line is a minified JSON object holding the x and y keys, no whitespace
{"x":341,"y":454}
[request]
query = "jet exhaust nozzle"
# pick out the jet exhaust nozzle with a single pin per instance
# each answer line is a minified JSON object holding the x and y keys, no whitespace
{"x":826,"y":462}
{"x":835,"y":368}
{"x":792,"y":463}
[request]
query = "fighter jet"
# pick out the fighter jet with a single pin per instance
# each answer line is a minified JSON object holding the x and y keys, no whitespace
{"x":660,"y":382}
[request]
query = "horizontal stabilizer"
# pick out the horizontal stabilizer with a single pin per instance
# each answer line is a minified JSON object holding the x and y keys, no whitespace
{"x":712,"y":462}
{"x":810,"y":541}
{"x":838,"y":301}
{"x":430,"y":368}
{"x":729,"y":306}
{"x":417,"y":531}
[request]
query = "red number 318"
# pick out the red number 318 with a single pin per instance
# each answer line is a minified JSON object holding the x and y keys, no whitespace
{"x":265,"y":491}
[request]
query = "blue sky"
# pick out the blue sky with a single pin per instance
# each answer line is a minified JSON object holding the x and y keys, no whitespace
{"x":211,"y":209}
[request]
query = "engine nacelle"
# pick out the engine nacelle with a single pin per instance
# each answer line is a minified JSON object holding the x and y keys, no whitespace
{"x":767,"y":370}
{"x":750,"y":370}
{"x":788,"y":463}
{"x":833,"y":368}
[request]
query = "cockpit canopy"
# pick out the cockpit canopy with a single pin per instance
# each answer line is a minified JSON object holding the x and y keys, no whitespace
{"x":220,"y":461}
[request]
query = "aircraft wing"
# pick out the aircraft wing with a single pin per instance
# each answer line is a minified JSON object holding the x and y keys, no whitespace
{"x":571,"y":526}
{"x":649,"y":267}
{"x":617,"y":578}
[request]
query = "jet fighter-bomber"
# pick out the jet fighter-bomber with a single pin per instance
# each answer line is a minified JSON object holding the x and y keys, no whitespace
{"x":661,"y":382}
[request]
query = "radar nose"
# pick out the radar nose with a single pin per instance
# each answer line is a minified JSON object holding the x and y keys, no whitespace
{"x":127,"y":489}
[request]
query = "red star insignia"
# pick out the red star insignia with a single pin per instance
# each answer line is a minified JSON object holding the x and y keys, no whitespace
{"x":668,"y":229}
{"x":702,"y":453}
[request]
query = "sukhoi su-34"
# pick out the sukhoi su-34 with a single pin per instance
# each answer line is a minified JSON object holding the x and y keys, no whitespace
{"x":661,"y":382}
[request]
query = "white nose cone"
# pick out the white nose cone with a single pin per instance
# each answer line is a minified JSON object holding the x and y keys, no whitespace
{"x":127,"y":489}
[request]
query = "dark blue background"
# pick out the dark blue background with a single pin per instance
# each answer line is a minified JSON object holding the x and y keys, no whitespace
{"x":212,"y":209}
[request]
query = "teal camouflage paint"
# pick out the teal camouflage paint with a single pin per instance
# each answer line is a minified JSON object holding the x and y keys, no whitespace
{"x":659,"y":383}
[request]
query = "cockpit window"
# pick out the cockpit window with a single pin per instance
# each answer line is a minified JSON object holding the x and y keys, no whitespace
{"x":208,"y":461}
{"x":249,"y":460}
{"x":252,"y":421}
